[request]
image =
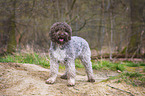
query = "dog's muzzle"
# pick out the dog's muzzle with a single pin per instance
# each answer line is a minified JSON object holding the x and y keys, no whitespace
{"x":62,"y":37}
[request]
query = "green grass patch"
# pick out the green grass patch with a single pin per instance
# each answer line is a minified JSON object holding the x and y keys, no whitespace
{"x":31,"y":58}
{"x":107,"y":65}
{"x":144,"y":69}
{"x":35,"y":58}
{"x":132,"y":64}
{"x":142,"y":64}
{"x":7,"y":59}
{"x":78,"y":64}
{"x":133,"y":78}
{"x":132,"y":74}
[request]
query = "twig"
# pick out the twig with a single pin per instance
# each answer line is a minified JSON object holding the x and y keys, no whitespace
{"x":75,"y":88}
{"x":71,"y":7}
{"x":121,"y":90}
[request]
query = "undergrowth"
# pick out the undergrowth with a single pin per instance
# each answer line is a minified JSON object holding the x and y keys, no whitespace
{"x":107,"y":65}
{"x":132,"y":64}
{"x":133,"y":78}
{"x":31,"y":58}
{"x":43,"y":60}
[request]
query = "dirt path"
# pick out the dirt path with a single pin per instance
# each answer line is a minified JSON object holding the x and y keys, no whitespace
{"x":29,"y":80}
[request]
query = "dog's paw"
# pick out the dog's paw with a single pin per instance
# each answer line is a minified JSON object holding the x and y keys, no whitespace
{"x":71,"y":82}
{"x":50,"y":81}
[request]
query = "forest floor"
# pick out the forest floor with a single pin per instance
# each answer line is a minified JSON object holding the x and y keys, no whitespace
{"x":29,"y":80}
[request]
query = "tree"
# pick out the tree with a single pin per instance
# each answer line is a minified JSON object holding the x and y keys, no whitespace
{"x":12,"y":32}
{"x":136,"y":7}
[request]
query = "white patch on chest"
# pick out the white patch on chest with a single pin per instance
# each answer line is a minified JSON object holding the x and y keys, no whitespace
{"x":59,"y":54}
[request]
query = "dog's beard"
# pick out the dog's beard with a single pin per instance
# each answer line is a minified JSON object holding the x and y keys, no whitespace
{"x":59,"y":39}
{"x":62,"y":40}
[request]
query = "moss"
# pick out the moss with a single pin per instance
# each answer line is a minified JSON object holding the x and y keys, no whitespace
{"x":124,"y":50}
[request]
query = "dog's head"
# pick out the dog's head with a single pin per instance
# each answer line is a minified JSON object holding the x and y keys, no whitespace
{"x":60,"y":32}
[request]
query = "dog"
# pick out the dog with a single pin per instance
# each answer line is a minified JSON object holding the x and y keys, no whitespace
{"x":65,"y":48}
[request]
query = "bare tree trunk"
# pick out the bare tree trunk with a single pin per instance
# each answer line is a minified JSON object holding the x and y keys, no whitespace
{"x":103,"y":26}
{"x":137,"y":7}
{"x":111,"y":42}
{"x":12,"y":36}
{"x":111,"y":18}
{"x":101,"y":32}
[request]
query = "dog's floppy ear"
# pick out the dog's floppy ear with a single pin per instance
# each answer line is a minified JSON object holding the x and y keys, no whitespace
{"x":53,"y":30}
{"x":70,"y":34}
{"x":68,"y":30}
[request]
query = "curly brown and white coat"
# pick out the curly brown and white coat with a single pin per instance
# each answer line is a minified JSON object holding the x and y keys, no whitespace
{"x":65,"y":48}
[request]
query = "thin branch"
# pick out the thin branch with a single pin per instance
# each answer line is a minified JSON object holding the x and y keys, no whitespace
{"x":71,"y":7}
{"x":85,"y":22}
{"x":120,"y":90}
{"x":33,"y":5}
{"x":72,"y":19}
{"x":75,"y":88}
{"x":139,"y":46}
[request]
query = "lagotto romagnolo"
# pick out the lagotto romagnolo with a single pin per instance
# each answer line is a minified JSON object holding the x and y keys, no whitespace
{"x":65,"y":48}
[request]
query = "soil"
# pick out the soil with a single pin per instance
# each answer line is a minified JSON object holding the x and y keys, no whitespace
{"x":29,"y":80}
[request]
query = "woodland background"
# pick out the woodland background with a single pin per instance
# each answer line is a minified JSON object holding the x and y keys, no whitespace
{"x":110,"y":26}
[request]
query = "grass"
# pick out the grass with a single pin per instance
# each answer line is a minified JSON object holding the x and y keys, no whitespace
{"x":130,"y":77}
{"x":102,"y":65}
{"x":132,"y":64}
{"x":144,"y":69}
{"x":107,"y":65}
{"x":78,"y":64}
{"x":31,"y":58}
{"x":35,"y":58}
{"x":133,"y":78}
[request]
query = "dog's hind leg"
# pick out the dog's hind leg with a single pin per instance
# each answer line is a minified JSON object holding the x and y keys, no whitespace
{"x":86,"y":60}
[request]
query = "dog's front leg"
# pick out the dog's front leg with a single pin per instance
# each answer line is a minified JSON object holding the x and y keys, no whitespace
{"x":54,"y":66}
{"x":70,"y":68}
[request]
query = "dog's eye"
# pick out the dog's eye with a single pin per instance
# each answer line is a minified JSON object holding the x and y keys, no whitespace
{"x":66,"y":30}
